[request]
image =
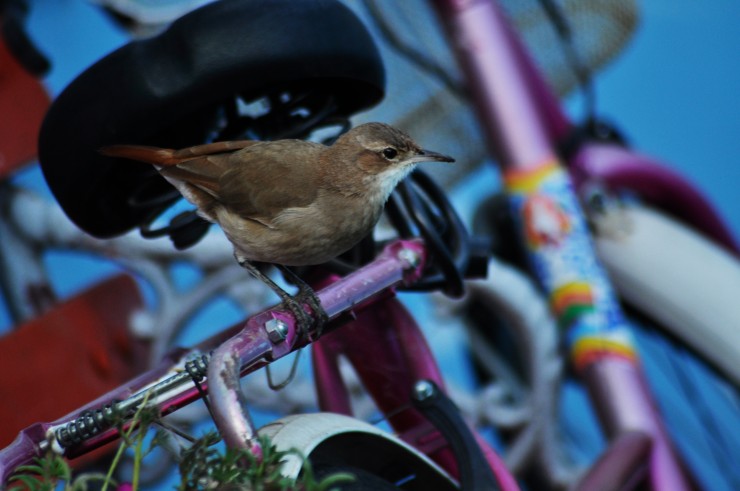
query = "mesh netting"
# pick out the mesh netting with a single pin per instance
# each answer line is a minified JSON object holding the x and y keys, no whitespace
{"x":600,"y":29}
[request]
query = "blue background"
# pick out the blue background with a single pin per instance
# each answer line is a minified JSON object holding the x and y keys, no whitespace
{"x":674,"y":90}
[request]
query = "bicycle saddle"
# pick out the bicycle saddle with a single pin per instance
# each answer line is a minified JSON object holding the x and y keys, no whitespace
{"x":312,"y":61}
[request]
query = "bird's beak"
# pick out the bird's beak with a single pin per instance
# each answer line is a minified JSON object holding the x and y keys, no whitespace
{"x":429,"y":156}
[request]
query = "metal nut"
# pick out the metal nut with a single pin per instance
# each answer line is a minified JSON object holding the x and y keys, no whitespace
{"x":277,"y":330}
{"x":423,"y":389}
{"x":410,"y":256}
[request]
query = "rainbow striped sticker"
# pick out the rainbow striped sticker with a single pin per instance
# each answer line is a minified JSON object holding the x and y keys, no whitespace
{"x":572,"y":301}
{"x":563,"y":258}
{"x":588,"y":346}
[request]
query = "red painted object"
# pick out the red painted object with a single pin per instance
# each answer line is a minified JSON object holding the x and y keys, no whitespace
{"x":72,"y":354}
{"x":23,"y":103}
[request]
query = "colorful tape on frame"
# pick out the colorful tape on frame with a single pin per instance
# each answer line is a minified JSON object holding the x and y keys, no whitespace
{"x":560,"y":251}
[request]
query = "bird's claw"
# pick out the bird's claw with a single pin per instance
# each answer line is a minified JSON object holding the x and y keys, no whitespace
{"x":321,"y":318}
{"x":304,"y":321}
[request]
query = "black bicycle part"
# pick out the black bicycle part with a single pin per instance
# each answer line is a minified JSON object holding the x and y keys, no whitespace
{"x":362,"y":480}
{"x":310,"y":63}
{"x":444,"y":234}
{"x":494,"y":218}
{"x":438,"y":408}
{"x":184,"y":230}
{"x":419,"y":207}
{"x":592,"y":130}
{"x":493,"y":329}
{"x":377,"y":462}
{"x":88,"y":424}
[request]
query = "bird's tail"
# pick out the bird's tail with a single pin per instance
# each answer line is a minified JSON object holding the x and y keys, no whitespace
{"x":166,"y":157}
{"x":162,"y":157}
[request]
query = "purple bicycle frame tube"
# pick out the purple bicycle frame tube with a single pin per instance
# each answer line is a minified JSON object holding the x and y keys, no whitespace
{"x":384,"y":336}
{"x":510,"y":100}
{"x":507,"y":93}
{"x":399,"y":262}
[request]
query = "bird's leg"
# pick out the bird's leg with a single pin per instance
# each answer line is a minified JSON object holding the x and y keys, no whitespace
{"x":307,"y":294}
{"x":303,"y":320}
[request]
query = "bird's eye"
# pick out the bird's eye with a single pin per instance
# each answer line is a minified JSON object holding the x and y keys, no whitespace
{"x":390,"y":153}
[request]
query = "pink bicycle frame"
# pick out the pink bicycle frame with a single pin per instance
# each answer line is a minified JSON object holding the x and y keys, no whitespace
{"x":389,"y":353}
{"x":522,"y":122}
{"x":384,"y":345}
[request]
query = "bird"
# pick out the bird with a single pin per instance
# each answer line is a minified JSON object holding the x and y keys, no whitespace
{"x":289,"y":202}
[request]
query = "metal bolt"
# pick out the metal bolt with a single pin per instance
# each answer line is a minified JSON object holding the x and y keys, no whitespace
{"x":423,"y":389}
{"x":410,"y":256}
{"x":277,"y":330}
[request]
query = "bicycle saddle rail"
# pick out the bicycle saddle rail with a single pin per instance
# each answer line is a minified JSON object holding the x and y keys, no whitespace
{"x":265,"y":337}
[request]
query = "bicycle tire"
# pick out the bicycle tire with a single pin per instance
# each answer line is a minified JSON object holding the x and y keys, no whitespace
{"x":168,"y":91}
{"x":682,"y":281}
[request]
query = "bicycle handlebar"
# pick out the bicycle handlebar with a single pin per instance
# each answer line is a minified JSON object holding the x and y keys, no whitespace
{"x":254,"y":344}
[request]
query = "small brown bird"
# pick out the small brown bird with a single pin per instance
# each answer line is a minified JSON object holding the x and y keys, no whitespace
{"x":290,"y":202}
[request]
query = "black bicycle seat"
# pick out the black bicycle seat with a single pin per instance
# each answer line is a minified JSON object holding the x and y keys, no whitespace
{"x":172,"y":90}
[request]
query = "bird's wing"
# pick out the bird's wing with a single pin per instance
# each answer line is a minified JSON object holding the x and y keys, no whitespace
{"x":200,"y":166}
{"x":263,"y":180}
{"x":241,"y":175}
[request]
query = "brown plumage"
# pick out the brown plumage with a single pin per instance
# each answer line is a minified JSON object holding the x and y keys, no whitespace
{"x":290,"y":202}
